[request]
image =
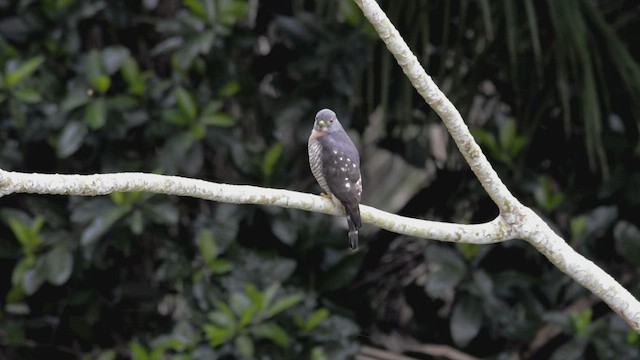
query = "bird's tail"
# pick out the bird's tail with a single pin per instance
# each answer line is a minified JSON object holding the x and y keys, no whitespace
{"x":355,"y":223}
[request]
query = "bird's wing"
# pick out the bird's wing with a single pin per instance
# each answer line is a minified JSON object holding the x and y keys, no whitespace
{"x":341,"y":165}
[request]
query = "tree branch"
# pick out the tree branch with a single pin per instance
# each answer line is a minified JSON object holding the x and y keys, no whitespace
{"x":103,"y":184}
{"x":521,"y":221}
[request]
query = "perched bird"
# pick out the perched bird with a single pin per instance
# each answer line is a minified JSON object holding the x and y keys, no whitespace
{"x":335,"y":163}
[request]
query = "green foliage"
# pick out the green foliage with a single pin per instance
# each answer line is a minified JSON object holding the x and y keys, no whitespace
{"x":249,"y":319}
{"x":508,"y":145}
{"x":226,"y":90}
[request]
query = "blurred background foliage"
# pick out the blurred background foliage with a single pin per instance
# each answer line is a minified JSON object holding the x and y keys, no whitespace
{"x":226,"y":90}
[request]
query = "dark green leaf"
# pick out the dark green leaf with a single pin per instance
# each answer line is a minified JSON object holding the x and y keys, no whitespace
{"x":28,"y":95}
{"x":175,"y":116}
{"x":257,"y":298}
{"x":138,"y":352}
{"x":131,"y":73}
{"x":487,"y":140}
{"x":318,"y":353}
{"x":244,"y":346}
{"x":94,"y":65}
{"x":186,"y":103}
{"x":227,"y":311}
{"x":627,"y":241}
{"x":20,"y":268}
{"x":271,"y":331}
{"x":207,"y":246}
{"x":284,"y":303}
{"x":101,"y":224}
{"x":107,"y":355}
{"x":239,"y":303}
{"x":204,"y":41}
{"x":122,"y":103}
{"x":59,"y":264}
{"x":27,"y":234}
{"x":270,"y":159}
{"x":285,"y":230}
{"x":220,"y":266}
{"x":198,"y":131}
{"x":32,"y":279}
{"x":507,"y":133}
{"x":71,"y":138}
{"x":24,"y":70}
{"x":18,"y":309}
{"x":96,"y":114}
{"x":196,"y":7}
{"x":223,"y":319}
{"x":217,"y":335}
{"x":270,"y":294}
{"x":468,"y":251}
{"x":210,"y":11}
{"x":466,"y":320}
{"x":14,"y":334}
{"x":101,"y":82}
{"x":233,"y":11}
{"x":163,"y":213}
{"x":581,"y":321}
{"x":247,"y":315}
{"x":229,"y":89}
{"x":315,"y":318}
{"x":573,"y":349}
{"x":599,"y":221}
{"x":113,"y":58}
{"x":136,"y":222}
{"x":218,"y":119}
{"x":73,"y":101}
{"x":447,"y":270}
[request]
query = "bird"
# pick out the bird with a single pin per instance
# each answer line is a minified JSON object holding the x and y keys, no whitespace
{"x":335,"y":163}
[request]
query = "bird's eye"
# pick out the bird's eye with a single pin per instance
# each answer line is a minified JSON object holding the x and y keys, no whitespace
{"x":331,"y":121}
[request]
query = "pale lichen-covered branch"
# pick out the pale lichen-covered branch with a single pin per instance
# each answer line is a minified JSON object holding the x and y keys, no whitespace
{"x":521,"y":221}
{"x":102,"y":184}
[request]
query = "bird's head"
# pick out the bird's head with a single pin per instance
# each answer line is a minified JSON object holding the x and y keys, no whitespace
{"x":326,"y":121}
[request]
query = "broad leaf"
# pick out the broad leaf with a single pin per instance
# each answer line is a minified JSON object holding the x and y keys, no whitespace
{"x":466,"y":321}
{"x":284,"y":303}
{"x":271,"y":331}
{"x":186,"y":103}
{"x":24,"y":70}
{"x":59,"y":263}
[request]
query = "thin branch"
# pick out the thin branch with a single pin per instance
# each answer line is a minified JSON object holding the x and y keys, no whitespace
{"x":436,"y":99}
{"x":103,"y":184}
{"x":521,"y":221}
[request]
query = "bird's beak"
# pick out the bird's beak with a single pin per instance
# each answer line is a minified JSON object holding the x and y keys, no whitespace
{"x":322,"y":123}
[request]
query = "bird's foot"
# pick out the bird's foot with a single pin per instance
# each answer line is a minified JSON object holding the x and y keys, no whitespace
{"x":325,"y":195}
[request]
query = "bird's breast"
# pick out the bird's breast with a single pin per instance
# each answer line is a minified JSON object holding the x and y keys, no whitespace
{"x":315,"y":162}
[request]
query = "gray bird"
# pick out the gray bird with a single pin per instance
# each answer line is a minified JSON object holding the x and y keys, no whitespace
{"x":335,"y":163}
